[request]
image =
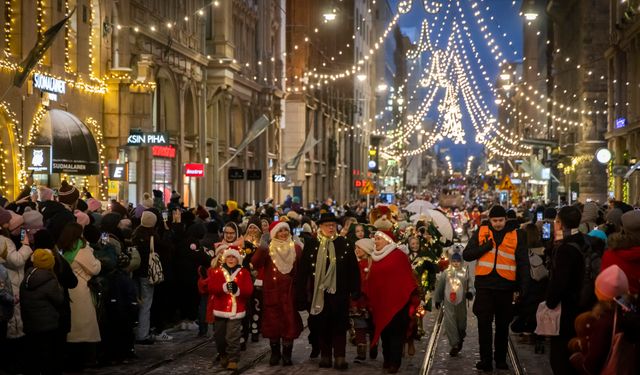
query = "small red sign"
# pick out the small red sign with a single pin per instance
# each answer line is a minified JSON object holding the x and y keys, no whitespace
{"x":164,"y":151}
{"x":194,"y":170}
{"x":357,"y":183}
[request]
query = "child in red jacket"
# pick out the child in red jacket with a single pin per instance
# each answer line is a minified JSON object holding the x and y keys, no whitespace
{"x":231,"y":287}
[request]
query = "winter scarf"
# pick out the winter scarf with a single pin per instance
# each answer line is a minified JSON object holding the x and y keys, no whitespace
{"x":283,"y":254}
{"x":325,"y":277}
{"x":70,"y":255}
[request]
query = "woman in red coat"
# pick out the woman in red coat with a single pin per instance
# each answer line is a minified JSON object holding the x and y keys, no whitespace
{"x":392,"y":290}
{"x":280,"y":319}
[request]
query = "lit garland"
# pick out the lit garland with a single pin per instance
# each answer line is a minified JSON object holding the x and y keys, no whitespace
{"x":41,"y":111}
{"x":67,"y":40}
{"x":96,"y":130}
{"x":8,"y":26}
{"x":14,"y":136}
{"x":575,"y":162}
{"x":40,"y":13}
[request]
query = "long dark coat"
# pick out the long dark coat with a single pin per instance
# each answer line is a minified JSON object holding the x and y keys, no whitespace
{"x":280,"y":319}
{"x":347,"y":280}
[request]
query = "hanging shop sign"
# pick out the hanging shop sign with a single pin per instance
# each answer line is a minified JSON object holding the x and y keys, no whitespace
{"x":621,"y":122}
{"x":164,"y":152}
{"x":236,"y":174}
{"x":38,"y":158}
{"x":254,"y":174}
{"x":279,"y":178}
{"x":117,"y":172}
{"x":147,"y":139}
{"x":194,"y":170}
{"x":48,"y":84}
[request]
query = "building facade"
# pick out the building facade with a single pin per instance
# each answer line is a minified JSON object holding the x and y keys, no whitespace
{"x":623,"y":132}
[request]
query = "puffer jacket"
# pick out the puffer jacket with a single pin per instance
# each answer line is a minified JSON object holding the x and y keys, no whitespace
{"x":14,"y":263}
{"x":41,"y":301}
{"x":6,"y":296}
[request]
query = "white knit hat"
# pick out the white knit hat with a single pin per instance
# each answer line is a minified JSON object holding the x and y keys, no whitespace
{"x":366,"y":244}
{"x":276,"y":226}
{"x":232,"y":251}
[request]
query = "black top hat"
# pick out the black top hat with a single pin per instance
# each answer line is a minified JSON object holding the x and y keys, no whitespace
{"x":328,"y":217}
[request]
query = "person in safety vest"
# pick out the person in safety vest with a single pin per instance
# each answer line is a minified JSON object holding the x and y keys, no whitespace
{"x":502,"y":267}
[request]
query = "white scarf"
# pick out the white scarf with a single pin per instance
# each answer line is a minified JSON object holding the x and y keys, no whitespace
{"x":283,"y":254}
{"x":378,"y":255}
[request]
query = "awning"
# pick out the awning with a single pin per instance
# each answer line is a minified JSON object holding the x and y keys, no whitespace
{"x":74,"y":150}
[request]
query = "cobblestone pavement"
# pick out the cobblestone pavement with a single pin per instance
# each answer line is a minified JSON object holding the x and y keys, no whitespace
{"x":187,"y":354}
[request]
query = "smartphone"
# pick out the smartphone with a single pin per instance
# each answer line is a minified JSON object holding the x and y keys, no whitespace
{"x":165,"y":215}
{"x":104,"y":238}
{"x":546,"y":231}
{"x":539,"y":216}
{"x":312,"y":206}
{"x":34,"y":190}
{"x":23,"y":234}
{"x":276,"y":218}
{"x":297,"y":231}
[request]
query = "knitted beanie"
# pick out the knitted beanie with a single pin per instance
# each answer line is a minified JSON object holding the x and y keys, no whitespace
{"x":149,"y":219}
{"x":32,"y":219}
{"x":631,"y":221}
{"x":68,"y":194}
{"x":94,"y":205}
{"x":43,"y":258}
{"x":610,"y":283}
{"x":147,"y":201}
{"x":497,"y":211}
{"x":81,"y":218}
{"x":366,"y":244}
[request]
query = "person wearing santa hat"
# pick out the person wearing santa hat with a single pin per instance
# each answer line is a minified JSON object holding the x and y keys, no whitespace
{"x":280,"y":319}
{"x":393,"y":303}
{"x":231,"y":287}
{"x":327,"y":276}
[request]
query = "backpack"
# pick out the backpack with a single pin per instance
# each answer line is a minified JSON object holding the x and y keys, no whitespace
{"x":537,"y":269}
{"x":155,"y":274}
{"x":592,"y":263}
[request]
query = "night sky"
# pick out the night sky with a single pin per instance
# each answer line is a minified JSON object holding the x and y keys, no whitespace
{"x":505,"y":20}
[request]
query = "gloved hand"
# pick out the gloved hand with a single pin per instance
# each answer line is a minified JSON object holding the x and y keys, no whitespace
{"x":469,"y":296}
{"x":488,"y":245}
{"x":232,"y":287}
{"x":438,"y":305}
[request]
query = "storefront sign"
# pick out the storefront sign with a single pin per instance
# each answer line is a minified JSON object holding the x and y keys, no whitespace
{"x":254,"y":174}
{"x":279,"y":178}
{"x":621,"y":123}
{"x":38,"y":158}
{"x":48,"y":84}
{"x":163,"y":152}
{"x":145,"y":139}
{"x":194,"y":170}
{"x":117,"y":172}
{"x":80,"y":167}
{"x":236,"y":174}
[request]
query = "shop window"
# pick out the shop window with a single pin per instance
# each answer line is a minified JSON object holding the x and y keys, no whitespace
{"x":162,"y":176}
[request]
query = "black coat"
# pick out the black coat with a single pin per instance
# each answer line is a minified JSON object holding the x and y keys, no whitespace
{"x":122,"y":301}
{"x":55,"y":217}
{"x":474,"y":251}
{"x":347,"y":274}
{"x":41,"y":301}
{"x":565,"y":282}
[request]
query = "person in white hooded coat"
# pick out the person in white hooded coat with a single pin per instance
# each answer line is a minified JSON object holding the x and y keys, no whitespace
{"x":453,"y":287}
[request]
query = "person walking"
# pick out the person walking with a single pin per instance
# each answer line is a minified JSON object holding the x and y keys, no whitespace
{"x":327,"y":276}
{"x":280,"y":319}
{"x":142,"y":239}
{"x":393,"y":297}
{"x":502,"y":267}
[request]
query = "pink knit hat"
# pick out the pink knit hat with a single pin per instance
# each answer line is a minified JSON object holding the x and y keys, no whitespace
{"x":94,"y":204}
{"x":82,"y":218}
{"x":15,"y":223}
{"x":611,"y":282}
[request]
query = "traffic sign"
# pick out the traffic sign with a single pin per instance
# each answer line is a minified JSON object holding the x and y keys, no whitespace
{"x":506,"y":184}
{"x":368,"y":188}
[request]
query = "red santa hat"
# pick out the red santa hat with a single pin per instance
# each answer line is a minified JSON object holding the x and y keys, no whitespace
{"x":232,"y":251}
{"x":387,"y":235}
{"x":276,"y":226}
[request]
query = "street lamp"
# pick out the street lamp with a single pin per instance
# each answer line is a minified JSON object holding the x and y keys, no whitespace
{"x":603,"y":155}
{"x":361,"y":77}
{"x":382,"y":87}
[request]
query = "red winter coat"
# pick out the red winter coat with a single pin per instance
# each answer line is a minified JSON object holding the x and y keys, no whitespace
{"x":363,"y":301}
{"x":280,"y":319}
{"x":391,"y":287}
{"x":629,"y":261}
{"x":226,"y":305}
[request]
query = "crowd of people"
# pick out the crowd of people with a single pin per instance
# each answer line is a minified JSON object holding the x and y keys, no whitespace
{"x":84,"y":285}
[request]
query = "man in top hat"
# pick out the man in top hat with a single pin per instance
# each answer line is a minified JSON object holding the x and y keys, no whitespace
{"x":502,"y":267}
{"x":328,"y":274}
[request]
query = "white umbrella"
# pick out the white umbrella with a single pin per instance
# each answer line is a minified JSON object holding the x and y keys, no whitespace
{"x":419,"y":206}
{"x":440,"y":220}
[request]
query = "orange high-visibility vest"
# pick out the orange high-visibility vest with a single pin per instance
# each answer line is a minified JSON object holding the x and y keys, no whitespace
{"x":502,"y":259}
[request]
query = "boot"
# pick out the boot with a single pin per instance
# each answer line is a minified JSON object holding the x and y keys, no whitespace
{"x":362,"y":352}
{"x":287,"y":351}
{"x":340,"y":364}
{"x":373,"y":352}
{"x":325,"y":362}
{"x":411,"y":348}
{"x":275,"y":354}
